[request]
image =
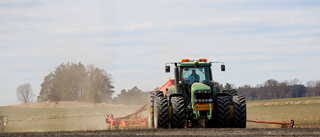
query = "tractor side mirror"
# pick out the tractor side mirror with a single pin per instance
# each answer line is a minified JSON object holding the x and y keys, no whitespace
{"x":167,"y":69}
{"x":223,"y":68}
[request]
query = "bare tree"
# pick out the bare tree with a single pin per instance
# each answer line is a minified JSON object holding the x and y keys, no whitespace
{"x":248,"y":92}
{"x":294,"y":87}
{"x":317,"y":88}
{"x":132,"y":96}
{"x":228,"y":86}
{"x":313,"y":88}
{"x":272,"y":88}
{"x":24,"y":93}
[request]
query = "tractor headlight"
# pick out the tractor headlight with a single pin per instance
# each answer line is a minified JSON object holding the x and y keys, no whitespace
{"x":205,"y":91}
{"x":195,"y":100}
{"x":210,"y":100}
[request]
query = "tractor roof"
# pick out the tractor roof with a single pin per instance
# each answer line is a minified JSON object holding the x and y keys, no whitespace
{"x":192,"y":63}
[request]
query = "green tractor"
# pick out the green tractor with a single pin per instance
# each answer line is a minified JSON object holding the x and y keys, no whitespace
{"x":192,"y":99}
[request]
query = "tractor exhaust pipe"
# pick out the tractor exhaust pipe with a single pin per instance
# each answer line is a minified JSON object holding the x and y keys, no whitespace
{"x":176,"y":74}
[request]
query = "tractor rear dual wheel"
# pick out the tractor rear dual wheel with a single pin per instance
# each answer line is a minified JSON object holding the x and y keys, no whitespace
{"x":161,"y":111}
{"x":232,"y":92}
{"x":178,"y":112}
{"x":222,"y":112}
{"x":239,"y":112}
{"x":151,"y":111}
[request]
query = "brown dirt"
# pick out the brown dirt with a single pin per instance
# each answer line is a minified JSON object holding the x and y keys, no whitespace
{"x":308,"y":125}
{"x":181,"y":132}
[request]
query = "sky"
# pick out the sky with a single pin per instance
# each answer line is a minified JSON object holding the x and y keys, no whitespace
{"x":132,"y":40}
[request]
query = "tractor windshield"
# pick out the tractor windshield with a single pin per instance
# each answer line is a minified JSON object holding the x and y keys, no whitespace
{"x":192,"y":74}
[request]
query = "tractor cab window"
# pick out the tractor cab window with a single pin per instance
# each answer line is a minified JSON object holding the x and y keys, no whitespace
{"x":192,"y":74}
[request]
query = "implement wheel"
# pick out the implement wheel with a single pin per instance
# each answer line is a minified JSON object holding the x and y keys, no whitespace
{"x":161,"y":111}
{"x":178,"y":112}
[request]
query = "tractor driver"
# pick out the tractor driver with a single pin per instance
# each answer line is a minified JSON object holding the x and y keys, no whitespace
{"x":193,"y":77}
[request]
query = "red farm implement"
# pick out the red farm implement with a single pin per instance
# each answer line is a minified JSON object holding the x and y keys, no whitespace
{"x":131,"y":121}
{"x":283,"y":125}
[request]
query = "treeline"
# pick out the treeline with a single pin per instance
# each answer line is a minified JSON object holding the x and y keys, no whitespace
{"x":134,"y":96}
{"x":75,"y":82}
{"x":273,"y":89}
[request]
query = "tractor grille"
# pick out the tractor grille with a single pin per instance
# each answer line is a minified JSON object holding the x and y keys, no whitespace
{"x":202,"y":97}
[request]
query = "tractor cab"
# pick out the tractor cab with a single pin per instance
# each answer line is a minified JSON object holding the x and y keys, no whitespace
{"x":189,"y":73}
{"x":193,"y":81}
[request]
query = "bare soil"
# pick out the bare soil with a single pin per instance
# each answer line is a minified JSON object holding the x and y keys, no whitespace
{"x":200,"y":132}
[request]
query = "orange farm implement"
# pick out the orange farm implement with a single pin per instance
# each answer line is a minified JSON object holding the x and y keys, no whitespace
{"x":131,"y":121}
